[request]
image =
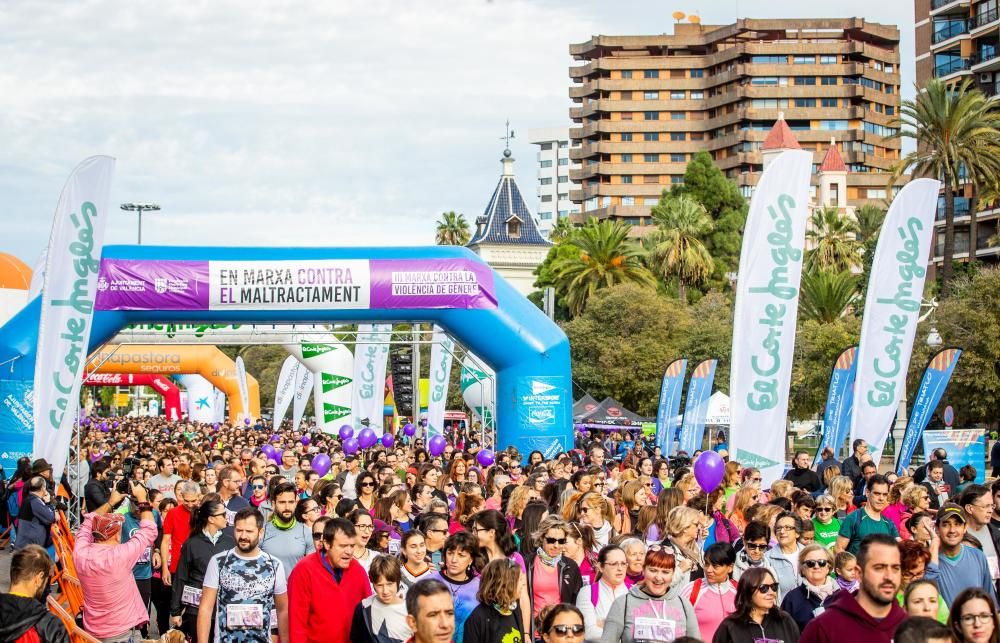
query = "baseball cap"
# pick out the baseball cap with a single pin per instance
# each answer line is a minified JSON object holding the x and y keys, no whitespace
{"x":950,"y":510}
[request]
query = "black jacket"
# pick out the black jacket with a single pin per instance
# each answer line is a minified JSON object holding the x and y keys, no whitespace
{"x":805,"y":479}
{"x":195,"y":555}
{"x":485,"y":624}
{"x":96,"y":493}
{"x":801,"y":604}
{"x":950,"y":475}
{"x":568,"y":574}
{"x":19,"y":614}
{"x":780,"y":627}
{"x":361,"y":627}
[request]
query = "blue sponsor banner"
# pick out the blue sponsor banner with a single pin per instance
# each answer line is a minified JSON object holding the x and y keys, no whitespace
{"x":16,"y":422}
{"x":696,"y":406}
{"x":964,"y":446}
{"x":670,"y":404}
{"x":839,"y":400}
{"x":542,"y":404}
{"x":932,"y":386}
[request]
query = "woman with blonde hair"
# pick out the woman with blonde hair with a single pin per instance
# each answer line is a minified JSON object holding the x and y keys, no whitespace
{"x":916,"y":499}
{"x":499,"y":615}
{"x":782,"y":489}
{"x":743,"y":499}
{"x":689,"y":486}
{"x":731,"y":478}
{"x":842,"y":491}
{"x":518,"y":500}
{"x":683,"y":524}
{"x":591,"y":508}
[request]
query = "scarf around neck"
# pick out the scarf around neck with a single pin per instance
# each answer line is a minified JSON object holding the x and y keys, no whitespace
{"x":849,"y":585}
{"x":549,"y":561}
{"x":283,"y":526}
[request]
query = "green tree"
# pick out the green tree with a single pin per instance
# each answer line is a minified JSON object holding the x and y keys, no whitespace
{"x":622,"y":342}
{"x":676,"y":250}
{"x":817,"y":345}
{"x":956,"y":129}
{"x":869,"y":219}
{"x":561,"y":230}
{"x":605,"y":256}
{"x":452,"y":230}
{"x":711,"y":337}
{"x":706,"y":184}
{"x":833,"y":239}
{"x":825,"y":295}
{"x":548,"y":277}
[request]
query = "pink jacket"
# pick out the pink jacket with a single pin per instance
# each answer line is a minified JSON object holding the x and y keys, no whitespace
{"x":111,"y":603}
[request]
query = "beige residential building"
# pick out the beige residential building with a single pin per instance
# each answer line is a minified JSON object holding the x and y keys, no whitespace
{"x":957,"y":40}
{"x":647,"y":104}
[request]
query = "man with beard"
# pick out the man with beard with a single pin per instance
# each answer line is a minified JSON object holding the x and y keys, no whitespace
{"x":872,"y":613}
{"x":244,"y":589}
{"x":285,"y":537}
{"x":955,"y":565}
{"x":23,"y":616}
{"x":867,"y":520}
{"x":326,"y":588}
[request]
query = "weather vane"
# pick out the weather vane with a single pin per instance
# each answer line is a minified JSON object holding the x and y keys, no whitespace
{"x":509,"y":135}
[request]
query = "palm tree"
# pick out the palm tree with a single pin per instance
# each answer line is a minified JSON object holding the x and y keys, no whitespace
{"x":826,"y":295}
{"x":562,"y":229}
{"x":834,"y":241}
{"x":452,"y":230}
{"x":676,"y":249}
{"x":956,"y":130}
{"x":606,"y":257}
{"x":869,"y":218}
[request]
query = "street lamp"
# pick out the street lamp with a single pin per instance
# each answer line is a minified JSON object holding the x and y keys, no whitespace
{"x":140,"y":208}
{"x":934,"y":338}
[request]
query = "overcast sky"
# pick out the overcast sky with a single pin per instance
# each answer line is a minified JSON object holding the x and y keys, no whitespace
{"x":304,"y":123}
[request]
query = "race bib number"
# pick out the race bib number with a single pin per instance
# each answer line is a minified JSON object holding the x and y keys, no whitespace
{"x":146,"y":557}
{"x":230,"y":517}
{"x":244,"y":617}
{"x":191,"y":596}
{"x":653,"y":629}
{"x":994,"y":567}
{"x":767,"y":641}
{"x":393,"y":547}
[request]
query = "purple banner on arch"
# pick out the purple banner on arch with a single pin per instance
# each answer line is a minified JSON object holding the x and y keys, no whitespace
{"x":431,"y":283}
{"x":124,"y":284}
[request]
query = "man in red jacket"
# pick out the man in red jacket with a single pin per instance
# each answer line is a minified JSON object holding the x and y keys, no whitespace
{"x":872,"y":614}
{"x":325,"y":587}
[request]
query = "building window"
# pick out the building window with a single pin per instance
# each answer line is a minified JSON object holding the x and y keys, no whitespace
{"x":605,"y":201}
{"x":805,"y":80}
{"x":890,"y":110}
{"x":651,"y":95}
{"x":626,"y":116}
{"x":626,"y":136}
{"x":833,"y":124}
{"x":650,"y":179}
{"x":678,"y":116}
{"x":514,"y":229}
{"x":563,"y":213}
{"x":699,"y":95}
{"x":805,"y":102}
{"x":828,"y":102}
{"x":677,"y":178}
{"x":877,"y":65}
{"x":563,"y":144}
{"x":697,"y":73}
{"x":626,"y":73}
{"x":650,"y":136}
{"x":651,"y":158}
{"x":563,"y":161}
{"x":628,"y":200}
{"x":545,"y":163}
{"x":876,"y":193}
{"x":677,"y":136}
{"x":545,"y":216}
{"x":804,"y":60}
{"x":626,"y":158}
{"x":545,"y":181}
{"x":697,"y":136}
{"x":678,"y":158}
{"x":651,"y":116}
{"x":890,"y":89}
{"x":764,"y":80}
{"x":651,"y":73}
{"x":650,"y":201}
{"x":626,"y":178}
{"x":591,"y":203}
{"x":834,"y":194}
{"x":677,"y":95}
{"x":546,"y":147}
{"x":564,"y":179}
{"x":768,"y":60}
{"x":769,"y":103}
{"x":891,"y":68}
{"x":546,"y":198}
{"x":563,"y":195}
{"x":828,"y":80}
{"x":828,"y":60}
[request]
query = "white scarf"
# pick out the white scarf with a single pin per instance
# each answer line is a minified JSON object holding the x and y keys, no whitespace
{"x":603,"y":534}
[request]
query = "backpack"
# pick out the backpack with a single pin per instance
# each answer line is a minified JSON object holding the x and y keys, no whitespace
{"x":725,"y":530}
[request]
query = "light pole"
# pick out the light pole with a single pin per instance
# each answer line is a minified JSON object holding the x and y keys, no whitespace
{"x":140,"y":208}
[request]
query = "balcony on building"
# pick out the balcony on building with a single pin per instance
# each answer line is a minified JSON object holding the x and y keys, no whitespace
{"x":962,"y":205}
{"x":948,"y":63}
{"x":949,"y":28}
{"x":945,"y":7}
{"x":987,"y":56}
{"x":986,"y":17}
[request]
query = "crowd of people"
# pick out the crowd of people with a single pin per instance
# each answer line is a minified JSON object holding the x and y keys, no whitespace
{"x":195,"y":528}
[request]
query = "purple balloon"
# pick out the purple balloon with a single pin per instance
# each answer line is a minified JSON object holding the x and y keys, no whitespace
{"x":85,"y":421}
{"x":274,"y":438}
{"x":388,"y":440}
{"x":306,"y":440}
{"x":267,"y":450}
{"x":351,"y":446}
{"x":246,"y":421}
{"x":103,"y":426}
{"x":485,"y":457}
{"x":215,"y":427}
{"x":709,"y":470}
{"x":436,"y":445}
{"x":114,"y":425}
{"x":409,"y":430}
{"x":321,"y":464}
{"x":346,"y":432}
{"x":367,"y":438}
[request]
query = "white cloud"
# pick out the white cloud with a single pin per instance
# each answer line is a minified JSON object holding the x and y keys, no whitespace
{"x":295,"y":122}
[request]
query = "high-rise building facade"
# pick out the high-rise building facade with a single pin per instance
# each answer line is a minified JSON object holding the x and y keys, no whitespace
{"x":647,"y":104}
{"x":957,"y":40}
{"x":552,"y":180}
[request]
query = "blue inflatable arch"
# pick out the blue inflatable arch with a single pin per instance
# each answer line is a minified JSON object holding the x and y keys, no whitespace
{"x":445,"y":285}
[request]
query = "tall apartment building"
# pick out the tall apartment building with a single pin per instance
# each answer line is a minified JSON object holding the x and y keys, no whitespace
{"x":553,"y":183}
{"x":955,"y":40}
{"x":647,"y":104}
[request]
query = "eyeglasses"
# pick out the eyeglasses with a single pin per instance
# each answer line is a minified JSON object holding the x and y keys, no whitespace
{"x":364,"y":527}
{"x":969,"y":619}
{"x":778,"y":528}
{"x":756,"y":479}
{"x":311,"y":509}
{"x":989,"y":507}
{"x":218,"y":515}
{"x":756,"y":546}
{"x":317,"y":535}
{"x":565,"y":630}
{"x":555,"y":541}
{"x":622,"y":563}
{"x":768,"y":587}
{"x":823,"y":510}
{"x":813,"y":564}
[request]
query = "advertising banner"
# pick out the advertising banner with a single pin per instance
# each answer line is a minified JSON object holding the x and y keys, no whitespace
{"x":68,"y":293}
{"x":442,"y":350}
{"x":371,"y":355}
{"x":696,"y":406}
{"x":241,"y":381}
{"x":285,"y":389}
{"x":670,"y":404}
{"x":932,"y":386}
{"x":201,"y":399}
{"x":839,"y":398}
{"x":964,"y":446}
{"x":541,"y":408}
{"x":303,"y":388}
{"x":767,"y":303}
{"x":306,"y":284}
{"x":892,"y":307}
{"x":162,"y":385}
{"x":16,"y":423}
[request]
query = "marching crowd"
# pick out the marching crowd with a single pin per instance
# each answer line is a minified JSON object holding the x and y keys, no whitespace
{"x":243,"y":535}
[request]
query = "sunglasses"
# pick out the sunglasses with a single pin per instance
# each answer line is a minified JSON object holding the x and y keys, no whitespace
{"x":766,"y":588}
{"x":756,"y":479}
{"x":823,"y":510}
{"x":756,"y":547}
{"x":317,"y":535}
{"x":564,"y":630}
{"x":813,"y":564}
{"x":367,"y":484}
{"x":555,"y":541}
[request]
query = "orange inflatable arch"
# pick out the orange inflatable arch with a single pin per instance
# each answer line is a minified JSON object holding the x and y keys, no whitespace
{"x":207,"y":361}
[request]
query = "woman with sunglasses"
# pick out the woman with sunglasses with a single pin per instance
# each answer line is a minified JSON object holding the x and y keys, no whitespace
{"x":307,"y":510}
{"x":561,"y":624}
{"x":499,"y":616}
{"x":757,"y":616}
{"x":803,"y":602}
{"x":364,"y":526}
{"x":364,"y":489}
{"x":653,"y":609}
{"x":756,"y":540}
{"x":825,"y":521}
{"x":328,"y":494}
{"x":551,"y":576}
{"x":206,"y":540}
{"x":784,"y":555}
{"x":595,"y":600}
{"x":973,"y":617}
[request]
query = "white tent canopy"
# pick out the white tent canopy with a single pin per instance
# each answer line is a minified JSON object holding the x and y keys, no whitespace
{"x":718,"y":409}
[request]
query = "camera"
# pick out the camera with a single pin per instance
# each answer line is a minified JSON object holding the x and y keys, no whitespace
{"x":123,"y":486}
